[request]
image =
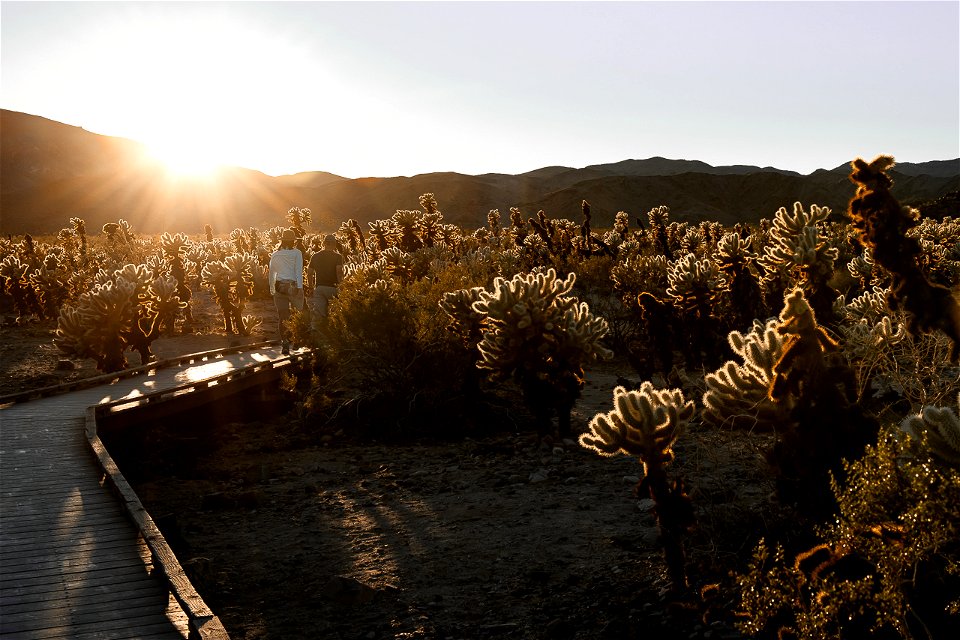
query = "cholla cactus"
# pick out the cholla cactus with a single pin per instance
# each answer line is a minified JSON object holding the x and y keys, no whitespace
{"x":50,"y":284}
{"x":93,"y":328}
{"x":165,"y":302}
{"x":539,"y":334}
{"x":464,"y":320}
{"x":621,"y":225}
{"x":646,"y":424}
{"x":694,"y":286}
{"x":693,"y":241}
{"x":175,"y":249}
{"x":798,"y":252}
{"x":883,"y":225}
{"x":116,"y":315}
{"x":297,"y":217}
{"x":493,"y":224}
{"x":17,"y":285}
{"x":734,"y":259}
{"x":643,"y":423}
{"x":938,"y":429}
{"x":826,"y":425}
{"x":693,"y":283}
{"x":232,"y":284}
{"x":398,"y":263}
{"x":737,"y":392}
{"x":638,"y":274}
{"x":864,"y":269}
{"x":659,"y":219}
{"x":939,"y":249}
{"x":870,"y":324}
{"x":405,"y":223}
{"x":383,"y":233}
{"x":350,"y":236}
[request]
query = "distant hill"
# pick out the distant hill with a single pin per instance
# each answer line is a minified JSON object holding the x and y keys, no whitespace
{"x":50,"y":172}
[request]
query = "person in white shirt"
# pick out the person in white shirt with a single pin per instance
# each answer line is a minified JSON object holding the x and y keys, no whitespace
{"x":286,"y":283}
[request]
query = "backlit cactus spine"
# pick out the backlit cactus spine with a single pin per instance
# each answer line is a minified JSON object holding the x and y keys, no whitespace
{"x":535,"y":332}
{"x":938,"y":429}
{"x":646,"y":423}
{"x":736,"y":393}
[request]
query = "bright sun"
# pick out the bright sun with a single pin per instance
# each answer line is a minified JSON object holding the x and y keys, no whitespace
{"x":184,"y":160}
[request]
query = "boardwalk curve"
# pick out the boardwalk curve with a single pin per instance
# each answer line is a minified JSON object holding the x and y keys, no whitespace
{"x":79,"y":556}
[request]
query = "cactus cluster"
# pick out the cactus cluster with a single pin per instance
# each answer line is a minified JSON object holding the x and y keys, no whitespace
{"x":123,"y":311}
{"x":534,"y":331}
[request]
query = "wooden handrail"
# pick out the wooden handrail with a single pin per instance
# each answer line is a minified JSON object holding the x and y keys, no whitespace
{"x":93,"y":381}
{"x":122,"y":404}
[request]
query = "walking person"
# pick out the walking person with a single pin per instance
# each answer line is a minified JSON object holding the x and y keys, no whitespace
{"x":286,"y":283}
{"x":324,"y":274}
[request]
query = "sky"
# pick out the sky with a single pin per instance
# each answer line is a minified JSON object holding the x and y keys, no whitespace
{"x":364,"y":89}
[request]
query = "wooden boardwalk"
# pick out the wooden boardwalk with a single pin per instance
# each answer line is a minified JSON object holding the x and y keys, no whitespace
{"x":79,"y":557}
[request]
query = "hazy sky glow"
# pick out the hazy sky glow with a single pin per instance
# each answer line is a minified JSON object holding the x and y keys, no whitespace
{"x":397,"y":88}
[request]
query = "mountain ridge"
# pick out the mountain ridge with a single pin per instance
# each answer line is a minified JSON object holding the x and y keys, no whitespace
{"x":50,"y":172}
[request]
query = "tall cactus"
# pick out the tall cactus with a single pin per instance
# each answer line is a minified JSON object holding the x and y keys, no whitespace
{"x":812,"y":381}
{"x":883,"y":224}
{"x":694,"y":286}
{"x":646,"y":424}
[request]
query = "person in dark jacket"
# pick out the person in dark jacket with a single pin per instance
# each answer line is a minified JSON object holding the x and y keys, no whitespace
{"x":324,"y":274}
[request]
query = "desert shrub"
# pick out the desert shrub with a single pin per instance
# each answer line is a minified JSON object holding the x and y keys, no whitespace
{"x":391,"y":340}
{"x":887,"y":567}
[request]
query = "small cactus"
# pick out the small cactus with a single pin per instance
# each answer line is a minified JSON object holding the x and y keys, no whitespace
{"x":737,"y":392}
{"x":643,"y":423}
{"x":646,"y":424}
{"x":938,"y":428}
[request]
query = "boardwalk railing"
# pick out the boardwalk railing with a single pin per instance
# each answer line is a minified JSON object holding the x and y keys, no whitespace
{"x":107,"y":378}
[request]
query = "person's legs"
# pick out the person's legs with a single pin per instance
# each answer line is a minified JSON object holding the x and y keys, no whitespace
{"x":282,"y":301}
{"x":321,"y":303}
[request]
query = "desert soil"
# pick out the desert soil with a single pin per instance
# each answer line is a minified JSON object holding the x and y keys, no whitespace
{"x":295,"y":532}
